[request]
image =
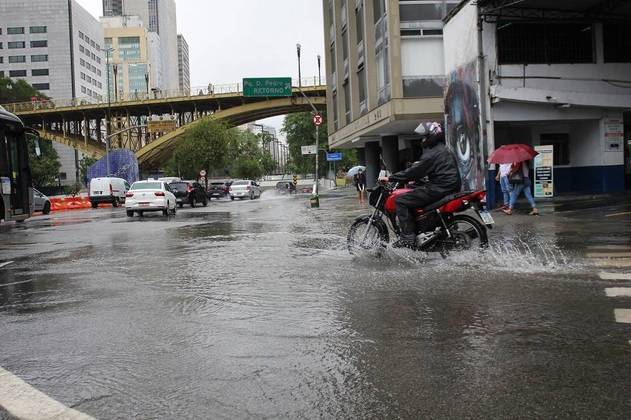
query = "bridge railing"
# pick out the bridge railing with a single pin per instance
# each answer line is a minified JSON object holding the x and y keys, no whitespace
{"x":154,"y":94}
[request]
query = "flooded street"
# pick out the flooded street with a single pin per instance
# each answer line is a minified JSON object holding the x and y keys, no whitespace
{"x":255,"y":309}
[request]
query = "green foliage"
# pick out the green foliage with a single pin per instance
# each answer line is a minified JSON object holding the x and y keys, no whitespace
{"x":44,"y":169}
{"x":73,"y":190}
{"x":247,"y":169}
{"x":84,"y":164}
{"x":17,"y":91}
{"x":205,"y":146}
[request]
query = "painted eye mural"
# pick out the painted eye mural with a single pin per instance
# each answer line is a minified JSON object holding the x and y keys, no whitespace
{"x":463,"y":126}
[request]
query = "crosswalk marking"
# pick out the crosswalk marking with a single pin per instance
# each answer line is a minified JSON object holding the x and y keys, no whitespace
{"x":609,"y":254}
{"x":618,"y":291}
{"x":614,"y":276}
{"x":623,"y":315}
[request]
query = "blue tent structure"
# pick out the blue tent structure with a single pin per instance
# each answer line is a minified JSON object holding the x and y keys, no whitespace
{"x":123,"y":164}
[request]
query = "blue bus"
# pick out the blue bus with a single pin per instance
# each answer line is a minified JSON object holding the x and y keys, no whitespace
{"x":16,"y":193}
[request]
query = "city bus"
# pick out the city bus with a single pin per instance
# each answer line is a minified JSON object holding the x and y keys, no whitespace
{"x":16,"y":193}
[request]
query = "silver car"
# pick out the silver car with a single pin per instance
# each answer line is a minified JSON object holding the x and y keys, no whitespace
{"x":40,"y":202}
{"x":245,"y":189}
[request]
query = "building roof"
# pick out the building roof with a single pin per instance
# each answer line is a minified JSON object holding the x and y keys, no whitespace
{"x":618,"y":10}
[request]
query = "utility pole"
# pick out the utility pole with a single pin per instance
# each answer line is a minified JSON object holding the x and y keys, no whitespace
{"x":319,"y":73}
{"x":299,"y":72}
{"x":109,"y":111}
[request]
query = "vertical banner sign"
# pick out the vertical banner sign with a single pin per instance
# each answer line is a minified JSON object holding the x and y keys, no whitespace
{"x":544,"y":173}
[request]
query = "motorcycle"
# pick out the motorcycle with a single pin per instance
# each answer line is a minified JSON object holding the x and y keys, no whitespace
{"x":440,"y":227}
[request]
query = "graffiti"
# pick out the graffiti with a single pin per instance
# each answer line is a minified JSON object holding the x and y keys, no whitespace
{"x":462,"y":109}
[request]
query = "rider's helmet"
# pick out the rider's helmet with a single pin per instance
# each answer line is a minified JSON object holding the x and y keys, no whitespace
{"x":431,"y":133}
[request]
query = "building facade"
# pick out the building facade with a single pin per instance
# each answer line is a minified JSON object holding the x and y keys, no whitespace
{"x":385,"y":73}
{"x":542,"y":74}
{"x":183,"y":66}
{"x":54,"y":45}
{"x":159,"y":17}
{"x":131,"y":59}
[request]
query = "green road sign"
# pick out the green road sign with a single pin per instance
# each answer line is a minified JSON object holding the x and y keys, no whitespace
{"x":267,"y":87}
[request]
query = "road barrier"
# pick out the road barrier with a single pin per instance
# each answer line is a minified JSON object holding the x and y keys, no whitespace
{"x":70,"y":203}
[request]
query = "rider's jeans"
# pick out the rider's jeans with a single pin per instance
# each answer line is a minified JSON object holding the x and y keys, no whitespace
{"x":408,"y":203}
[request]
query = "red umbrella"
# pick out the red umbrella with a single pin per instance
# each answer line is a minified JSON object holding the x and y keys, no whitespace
{"x":511,"y":153}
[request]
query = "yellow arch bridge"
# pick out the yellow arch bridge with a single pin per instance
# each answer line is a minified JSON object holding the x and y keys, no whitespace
{"x":84,"y":125}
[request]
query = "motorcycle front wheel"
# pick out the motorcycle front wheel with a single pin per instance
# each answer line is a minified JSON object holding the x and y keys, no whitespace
{"x":364,"y":237}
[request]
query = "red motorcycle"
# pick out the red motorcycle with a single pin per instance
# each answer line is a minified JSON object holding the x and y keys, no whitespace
{"x":440,"y":227}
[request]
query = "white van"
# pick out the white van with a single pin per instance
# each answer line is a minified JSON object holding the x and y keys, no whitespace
{"x":107,"y":190}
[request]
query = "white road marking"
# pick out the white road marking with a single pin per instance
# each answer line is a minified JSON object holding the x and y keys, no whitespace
{"x":618,"y":291}
{"x":4,"y":264}
{"x":613,"y":254}
{"x":619,"y":247}
{"x":618,"y":214}
{"x":609,"y":262}
{"x":623,"y":315}
{"x":615,"y":276}
{"x":25,"y":402}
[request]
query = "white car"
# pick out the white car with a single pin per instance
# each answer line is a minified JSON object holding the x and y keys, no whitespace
{"x":244,"y":189}
{"x":150,"y":196}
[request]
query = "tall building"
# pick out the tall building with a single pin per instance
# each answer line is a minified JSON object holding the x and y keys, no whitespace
{"x":183,"y":64}
{"x":132,"y":58}
{"x":55,"y":45}
{"x":158,"y":16}
{"x":277,"y":149}
{"x":385,"y":74}
{"x":112,"y":7}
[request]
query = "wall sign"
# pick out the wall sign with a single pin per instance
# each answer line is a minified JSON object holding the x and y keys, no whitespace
{"x":614,"y":133}
{"x":544,"y":171}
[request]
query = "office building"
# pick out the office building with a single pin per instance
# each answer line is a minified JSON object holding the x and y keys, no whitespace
{"x":112,"y":7}
{"x":55,"y":45}
{"x":134,"y":66}
{"x":560,"y":81}
{"x":158,"y":16}
{"x":385,"y":74}
{"x":183,"y":65}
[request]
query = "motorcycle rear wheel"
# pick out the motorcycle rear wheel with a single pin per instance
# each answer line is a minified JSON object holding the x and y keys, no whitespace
{"x":466,"y":233}
{"x":363,"y":237}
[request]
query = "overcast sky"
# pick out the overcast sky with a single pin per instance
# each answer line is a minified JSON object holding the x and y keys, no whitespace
{"x":229,"y":40}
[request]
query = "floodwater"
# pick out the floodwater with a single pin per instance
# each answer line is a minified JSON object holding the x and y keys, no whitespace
{"x":255,"y":309}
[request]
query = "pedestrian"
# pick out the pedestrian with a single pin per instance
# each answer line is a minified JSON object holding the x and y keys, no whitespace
{"x":520,"y":181}
{"x":360,"y":184}
{"x":502,"y":177}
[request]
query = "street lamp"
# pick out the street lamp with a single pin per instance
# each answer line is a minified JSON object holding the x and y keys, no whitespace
{"x":319,"y":75}
{"x":115,"y":69}
{"x":109,"y":109}
{"x":299,"y":74}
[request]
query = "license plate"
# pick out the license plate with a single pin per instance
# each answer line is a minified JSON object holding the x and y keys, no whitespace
{"x":179,"y":200}
{"x":486,"y":217}
{"x":143,"y":204}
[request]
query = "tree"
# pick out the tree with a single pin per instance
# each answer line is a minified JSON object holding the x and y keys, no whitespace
{"x":45,"y":168}
{"x":204,"y":146}
{"x":84,"y":164}
{"x":17,"y":91}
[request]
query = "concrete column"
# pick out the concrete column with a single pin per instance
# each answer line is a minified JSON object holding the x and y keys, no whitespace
{"x":361,"y":156}
{"x":372,"y":163}
{"x":390,"y":152}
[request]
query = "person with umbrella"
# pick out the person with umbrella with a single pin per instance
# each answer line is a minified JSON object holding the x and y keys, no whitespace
{"x":517,"y":155}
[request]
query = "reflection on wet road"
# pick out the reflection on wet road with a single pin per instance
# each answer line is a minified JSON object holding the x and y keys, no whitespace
{"x":255,"y":309}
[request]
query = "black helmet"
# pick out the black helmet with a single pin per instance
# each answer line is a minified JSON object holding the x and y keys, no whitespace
{"x":431,"y":133}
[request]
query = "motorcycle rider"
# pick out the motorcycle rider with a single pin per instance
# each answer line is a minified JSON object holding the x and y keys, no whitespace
{"x":439,"y":165}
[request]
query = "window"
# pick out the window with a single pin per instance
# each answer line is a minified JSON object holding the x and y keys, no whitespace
{"x":616,"y":41}
{"x":544,"y":43}
{"x":379,"y":9}
{"x":92,"y":43}
{"x":1,"y":46}
{"x":81,"y":48}
{"x":359,"y":21}
{"x":347,"y":102}
{"x":16,"y":44}
{"x":416,"y":12}
{"x":17,"y":59}
{"x":82,"y":76}
{"x":129,"y":47}
{"x":39,"y":44}
{"x":83,"y":90}
{"x":87,"y":39}
{"x":41,"y":86}
{"x":98,"y":72}
{"x":38,"y":29}
{"x":38,"y":58}
{"x":561,"y":143}
{"x":361,"y":84}
{"x":1,"y":60}
{"x":98,"y":59}
{"x":17,"y":73}
{"x":81,"y":36}
{"x":39,"y":72}
{"x":15,"y":31}
{"x":82,"y":62}
{"x":1,"y":71}
{"x":93,"y":56}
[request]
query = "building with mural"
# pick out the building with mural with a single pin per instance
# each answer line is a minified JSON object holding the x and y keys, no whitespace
{"x":542,"y":73}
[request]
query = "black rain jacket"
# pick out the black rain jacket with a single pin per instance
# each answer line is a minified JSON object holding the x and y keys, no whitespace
{"x":439,"y":165}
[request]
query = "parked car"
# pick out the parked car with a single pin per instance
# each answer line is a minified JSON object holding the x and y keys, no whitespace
{"x":150,"y":196}
{"x":218,"y":189}
{"x":107,"y":190}
{"x":188,"y":192}
{"x":245,"y":188}
{"x":285,"y":187}
{"x":40,"y":202}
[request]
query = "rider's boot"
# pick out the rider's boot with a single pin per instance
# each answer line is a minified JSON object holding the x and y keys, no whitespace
{"x":406,"y":240}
